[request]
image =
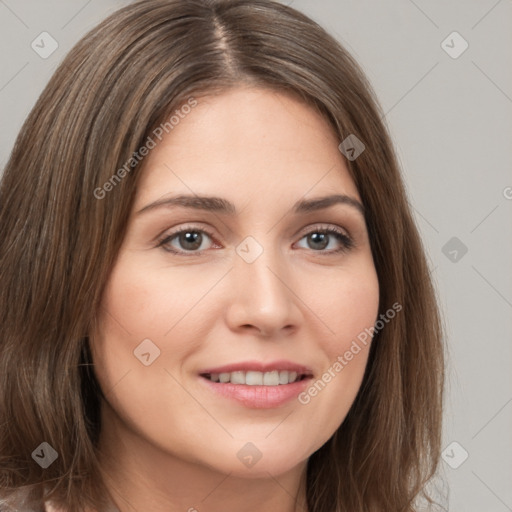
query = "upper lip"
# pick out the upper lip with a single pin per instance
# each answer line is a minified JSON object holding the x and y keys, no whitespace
{"x":258,"y":366}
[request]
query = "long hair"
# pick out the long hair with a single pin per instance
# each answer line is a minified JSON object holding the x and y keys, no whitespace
{"x":60,"y":234}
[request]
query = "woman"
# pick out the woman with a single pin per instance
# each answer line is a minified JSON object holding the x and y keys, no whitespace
{"x":213,"y":294}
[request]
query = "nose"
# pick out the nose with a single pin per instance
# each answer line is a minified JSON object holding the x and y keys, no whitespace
{"x":262,"y":297}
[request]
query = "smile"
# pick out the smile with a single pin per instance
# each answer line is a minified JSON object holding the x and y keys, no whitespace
{"x":257,"y":385}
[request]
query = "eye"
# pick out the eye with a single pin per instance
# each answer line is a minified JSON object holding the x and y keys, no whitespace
{"x":192,"y":240}
{"x":321,"y":238}
{"x":189,"y":240}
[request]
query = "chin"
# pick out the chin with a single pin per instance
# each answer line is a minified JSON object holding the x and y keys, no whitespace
{"x":258,"y":459}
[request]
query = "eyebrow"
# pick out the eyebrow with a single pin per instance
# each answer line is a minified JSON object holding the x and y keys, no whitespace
{"x":220,"y":205}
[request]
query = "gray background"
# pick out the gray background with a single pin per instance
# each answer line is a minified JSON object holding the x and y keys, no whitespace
{"x":452,"y":126}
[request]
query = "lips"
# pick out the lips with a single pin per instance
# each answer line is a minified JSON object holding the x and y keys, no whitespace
{"x":258,"y":385}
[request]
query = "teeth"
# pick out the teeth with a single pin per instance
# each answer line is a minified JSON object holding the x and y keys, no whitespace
{"x":237,"y":378}
{"x":283,"y":377}
{"x":271,"y":378}
{"x":252,"y":378}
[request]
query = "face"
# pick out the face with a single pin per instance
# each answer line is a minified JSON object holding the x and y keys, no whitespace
{"x":221,"y":317}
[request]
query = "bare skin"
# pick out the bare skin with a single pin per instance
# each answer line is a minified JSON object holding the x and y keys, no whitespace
{"x":168,"y":442}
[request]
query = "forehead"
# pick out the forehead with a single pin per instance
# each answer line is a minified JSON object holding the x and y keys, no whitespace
{"x":247,"y":142}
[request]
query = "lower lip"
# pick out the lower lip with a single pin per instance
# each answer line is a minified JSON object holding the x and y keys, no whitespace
{"x":258,"y":397}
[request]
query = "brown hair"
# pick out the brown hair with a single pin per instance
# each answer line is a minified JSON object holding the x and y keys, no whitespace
{"x":59,"y":242}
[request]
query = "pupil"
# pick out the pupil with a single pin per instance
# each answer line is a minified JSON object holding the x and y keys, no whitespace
{"x":320,"y":238}
{"x":191,"y":240}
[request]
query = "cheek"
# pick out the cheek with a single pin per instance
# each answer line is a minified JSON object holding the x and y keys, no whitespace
{"x":137,"y":301}
{"x":141,"y":302}
{"x":131,"y":313}
{"x":147,"y":310}
{"x":138,"y":309}
{"x":349,"y":308}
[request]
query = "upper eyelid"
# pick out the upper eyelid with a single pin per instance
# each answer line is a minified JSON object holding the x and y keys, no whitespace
{"x":306,"y":230}
{"x":321,"y":226}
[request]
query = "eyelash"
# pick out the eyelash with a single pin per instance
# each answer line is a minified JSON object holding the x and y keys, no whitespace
{"x":346,"y":242}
